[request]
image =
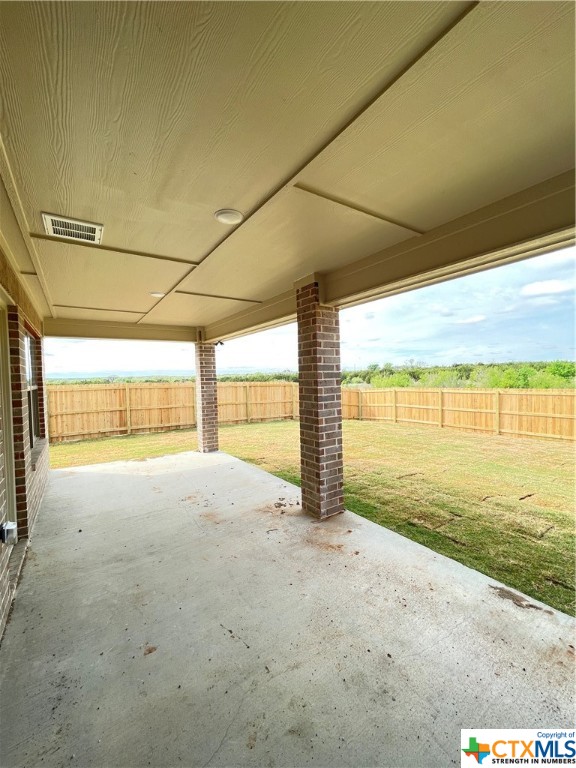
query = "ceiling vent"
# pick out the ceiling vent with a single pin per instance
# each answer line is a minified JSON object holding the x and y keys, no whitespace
{"x":72,"y":229}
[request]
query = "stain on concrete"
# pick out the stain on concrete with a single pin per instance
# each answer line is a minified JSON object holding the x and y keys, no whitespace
{"x":324,"y":538}
{"x":149,"y":649}
{"x":519,"y":600}
{"x":211,"y":516}
{"x":283,"y":506}
{"x":328,"y":547}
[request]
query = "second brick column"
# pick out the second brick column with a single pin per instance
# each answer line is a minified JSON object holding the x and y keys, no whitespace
{"x":206,"y":398}
{"x":320,"y":404}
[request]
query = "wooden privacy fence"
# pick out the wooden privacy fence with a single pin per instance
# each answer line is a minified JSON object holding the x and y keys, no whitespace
{"x":84,"y":412}
{"x":79,"y":412}
{"x":516,"y":412}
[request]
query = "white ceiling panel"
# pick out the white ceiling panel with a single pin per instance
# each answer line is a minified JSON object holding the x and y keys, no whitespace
{"x":294,"y":235}
{"x":80,"y":276}
{"x":183,"y":309}
{"x":488,"y":112}
{"x":148,"y":116}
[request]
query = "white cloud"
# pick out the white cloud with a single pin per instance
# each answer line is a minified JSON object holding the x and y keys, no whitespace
{"x":544,"y":301}
{"x":557,"y":259}
{"x":439,"y":309}
{"x":545,"y":287}
{"x":471,"y":320}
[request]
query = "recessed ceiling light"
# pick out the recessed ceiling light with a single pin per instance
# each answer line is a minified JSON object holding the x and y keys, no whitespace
{"x":229,"y":216}
{"x":157,"y":294}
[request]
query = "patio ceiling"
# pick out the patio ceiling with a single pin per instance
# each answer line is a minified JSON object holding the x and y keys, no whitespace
{"x":382,"y":145}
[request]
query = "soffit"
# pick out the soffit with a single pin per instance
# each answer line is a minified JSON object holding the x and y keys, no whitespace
{"x":147,"y":117}
{"x":36,"y":293}
{"x":88,"y":277}
{"x":190,"y":310}
{"x":294,"y":235}
{"x":11,"y":237}
{"x":488,"y":112}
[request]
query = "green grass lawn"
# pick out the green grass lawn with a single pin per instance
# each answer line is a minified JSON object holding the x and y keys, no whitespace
{"x":503,"y":506}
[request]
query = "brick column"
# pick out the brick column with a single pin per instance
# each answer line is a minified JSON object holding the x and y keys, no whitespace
{"x":320,"y":404}
{"x":206,"y":398}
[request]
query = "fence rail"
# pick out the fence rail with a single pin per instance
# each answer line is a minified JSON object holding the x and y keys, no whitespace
{"x":84,"y":412}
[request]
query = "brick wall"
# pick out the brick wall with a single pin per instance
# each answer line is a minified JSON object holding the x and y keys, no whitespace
{"x":206,"y":398}
{"x":5,"y":591}
{"x":30,"y":463}
{"x":30,"y":467}
{"x":320,"y":404}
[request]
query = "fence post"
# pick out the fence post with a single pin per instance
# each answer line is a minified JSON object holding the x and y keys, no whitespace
{"x":440,"y":406}
{"x":497,"y":412}
{"x":193,"y":391}
{"x":360,"y":405}
{"x":248,"y":414}
{"x":128,"y":413}
{"x":394,"y":407}
{"x":294,"y":400}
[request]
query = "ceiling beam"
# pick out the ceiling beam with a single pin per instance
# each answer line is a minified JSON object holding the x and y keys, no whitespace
{"x":277,"y":311}
{"x":111,"y":248}
{"x":94,"y":329}
{"x":217,"y":296}
{"x":349,"y":204}
{"x":100,"y":309}
{"x":509,"y":229}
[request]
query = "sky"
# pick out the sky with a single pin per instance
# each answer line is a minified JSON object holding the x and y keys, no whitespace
{"x":518,"y":312}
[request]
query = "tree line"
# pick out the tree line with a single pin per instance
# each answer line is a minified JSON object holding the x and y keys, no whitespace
{"x":559,"y":374}
{"x":526,"y":375}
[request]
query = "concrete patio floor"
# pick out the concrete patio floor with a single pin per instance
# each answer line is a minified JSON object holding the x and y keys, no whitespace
{"x":182,"y":611}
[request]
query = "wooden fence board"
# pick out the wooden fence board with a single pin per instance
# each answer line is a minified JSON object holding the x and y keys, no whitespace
{"x":84,"y":412}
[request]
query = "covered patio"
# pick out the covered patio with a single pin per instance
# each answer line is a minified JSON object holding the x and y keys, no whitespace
{"x":194,"y":172}
{"x":183,"y":610}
